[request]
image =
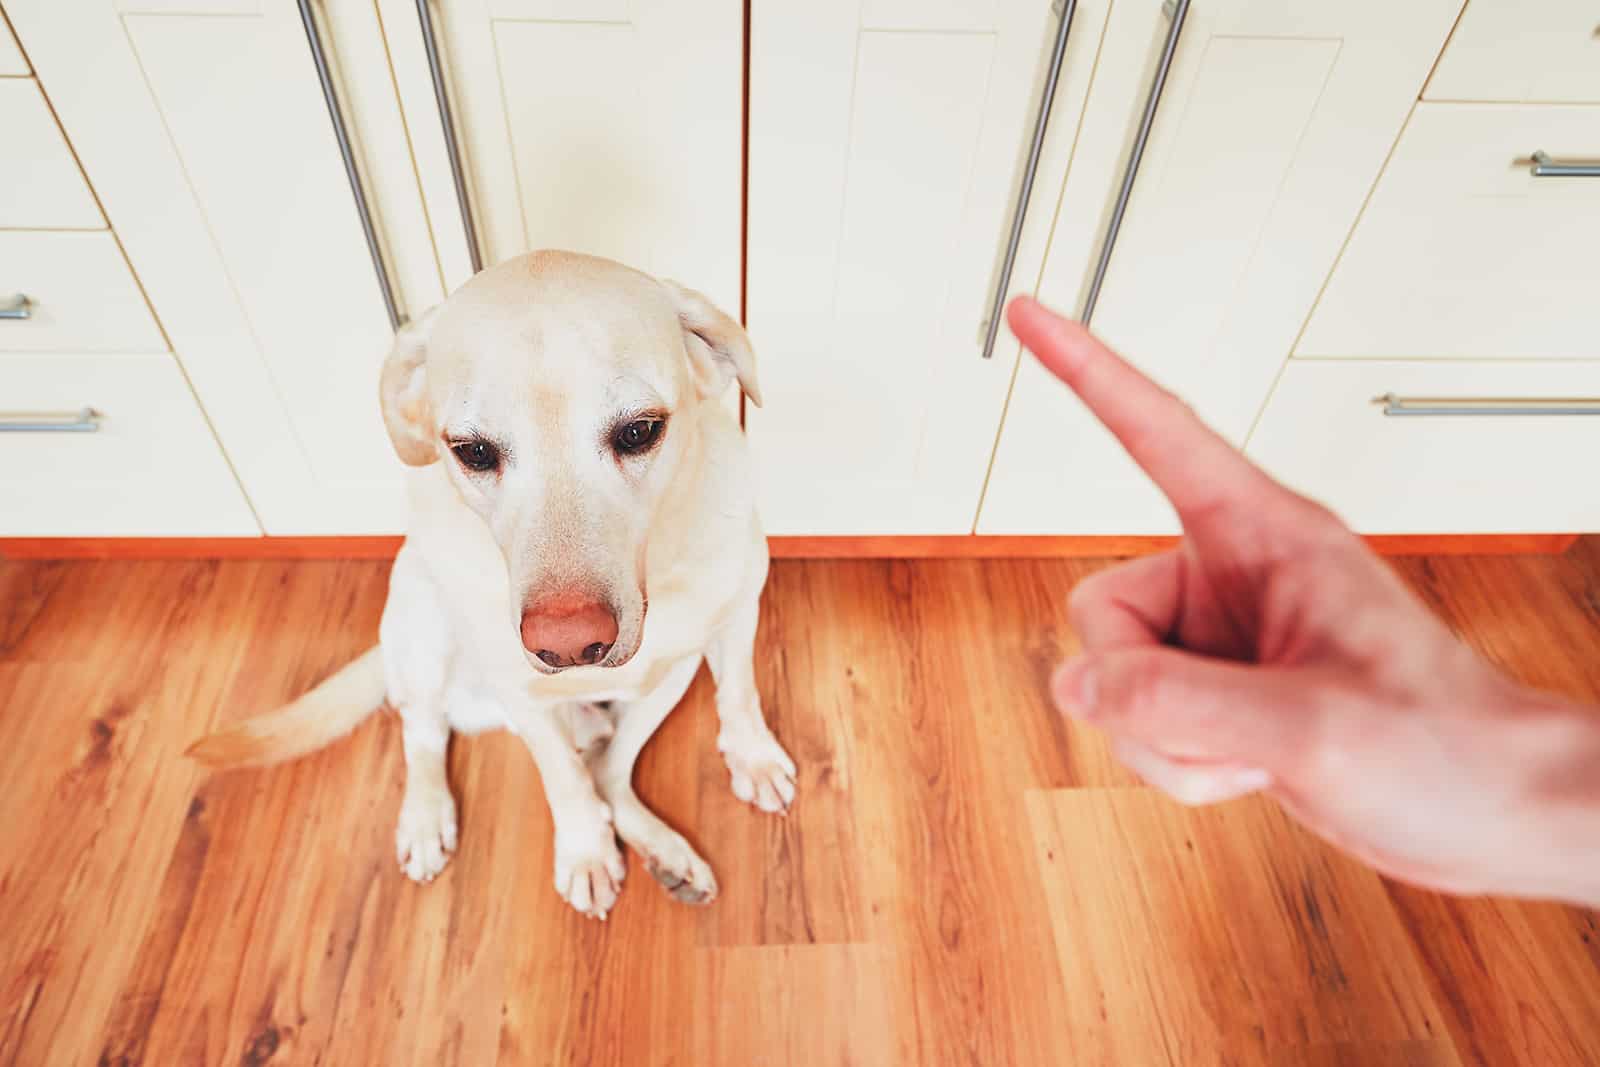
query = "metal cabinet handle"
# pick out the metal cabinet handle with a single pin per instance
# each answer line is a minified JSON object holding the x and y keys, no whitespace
{"x":17,"y":307}
{"x":458,"y":170}
{"x":84,"y":420}
{"x":1019,"y":210}
{"x":1488,"y":405}
{"x":341,"y":132}
{"x":1545,"y":167}
{"x":1177,"y":11}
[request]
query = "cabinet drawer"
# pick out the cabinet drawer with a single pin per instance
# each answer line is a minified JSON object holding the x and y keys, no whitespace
{"x":81,"y":296}
{"x":1524,"y":51}
{"x":152,"y":467}
{"x":1324,"y":434}
{"x":40,"y":184}
{"x":1463,"y":253}
{"x":11,"y":61}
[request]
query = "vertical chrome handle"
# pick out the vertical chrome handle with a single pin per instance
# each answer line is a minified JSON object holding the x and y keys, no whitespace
{"x":16,"y":307}
{"x":1488,"y":405}
{"x":1177,"y":11}
{"x":84,"y":420}
{"x":1019,"y":210}
{"x":341,"y":132}
{"x":441,"y":96}
{"x":1545,"y":167}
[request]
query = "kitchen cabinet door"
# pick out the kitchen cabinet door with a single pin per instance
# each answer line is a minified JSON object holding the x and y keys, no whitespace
{"x":610,"y":127}
{"x":1274,"y":124}
{"x":205,"y":133}
{"x":886,"y":143}
{"x":1465,"y":251}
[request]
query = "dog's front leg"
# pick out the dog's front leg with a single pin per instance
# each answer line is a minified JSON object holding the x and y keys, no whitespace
{"x":426,"y":834}
{"x":589,"y":866}
{"x":669,"y":858}
{"x":763,"y":774}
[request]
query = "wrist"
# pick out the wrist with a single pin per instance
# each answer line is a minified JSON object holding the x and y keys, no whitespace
{"x":1557,"y":743}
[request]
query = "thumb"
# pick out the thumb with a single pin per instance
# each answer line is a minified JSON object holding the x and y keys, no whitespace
{"x":1190,"y":707}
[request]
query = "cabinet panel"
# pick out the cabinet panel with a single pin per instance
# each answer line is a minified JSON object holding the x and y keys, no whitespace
{"x":151,"y":470}
{"x":1274,"y":122}
{"x":1464,"y":253}
{"x":265,"y":170}
{"x":12,"y":63}
{"x":1522,"y":50}
{"x":210,"y":147}
{"x":612,"y":129}
{"x":81,"y":294}
{"x":40,"y":184}
{"x":1323,"y":434}
{"x":885,"y":144}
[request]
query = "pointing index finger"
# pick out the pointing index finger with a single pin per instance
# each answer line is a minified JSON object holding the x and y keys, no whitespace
{"x":1188,"y":461}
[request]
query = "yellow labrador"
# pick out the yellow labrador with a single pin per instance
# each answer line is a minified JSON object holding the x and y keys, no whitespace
{"x":583,"y":530}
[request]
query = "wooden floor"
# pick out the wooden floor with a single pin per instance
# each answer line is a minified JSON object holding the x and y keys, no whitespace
{"x":965,"y":879}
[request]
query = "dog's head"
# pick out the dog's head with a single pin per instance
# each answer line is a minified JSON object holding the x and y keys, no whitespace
{"x":559,"y":391}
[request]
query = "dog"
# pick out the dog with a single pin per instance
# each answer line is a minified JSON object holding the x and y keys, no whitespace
{"x":583,"y":531}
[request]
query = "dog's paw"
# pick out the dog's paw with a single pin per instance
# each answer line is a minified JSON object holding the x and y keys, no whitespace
{"x":426,"y":834}
{"x":683,"y":873}
{"x":589,"y":870}
{"x":670,"y":859}
{"x":763,"y":774}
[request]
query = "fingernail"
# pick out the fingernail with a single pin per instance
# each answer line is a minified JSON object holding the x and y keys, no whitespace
{"x":1077,"y":688}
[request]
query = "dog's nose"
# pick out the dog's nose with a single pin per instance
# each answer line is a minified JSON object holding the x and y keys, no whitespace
{"x":568,"y":631}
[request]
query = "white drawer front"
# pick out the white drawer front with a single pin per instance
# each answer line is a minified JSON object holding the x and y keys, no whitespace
{"x":40,"y":184}
{"x":1522,"y":50}
{"x":81,"y":295}
{"x":1323,"y":434}
{"x":12,"y":62}
{"x":151,"y":469}
{"x":1463,"y":253}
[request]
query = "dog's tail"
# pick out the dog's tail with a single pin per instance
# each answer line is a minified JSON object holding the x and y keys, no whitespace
{"x":319,"y":718}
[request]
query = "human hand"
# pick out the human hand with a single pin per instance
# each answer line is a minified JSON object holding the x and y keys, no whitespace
{"x":1273,"y":651}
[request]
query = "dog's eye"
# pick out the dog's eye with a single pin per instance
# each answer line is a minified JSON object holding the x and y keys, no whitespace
{"x":477,"y":456}
{"x":637,"y":436}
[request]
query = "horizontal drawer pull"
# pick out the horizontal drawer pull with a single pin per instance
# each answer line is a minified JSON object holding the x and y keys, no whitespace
{"x":16,"y":307}
{"x":86,"y":420}
{"x":1545,"y":167}
{"x":1489,"y":405}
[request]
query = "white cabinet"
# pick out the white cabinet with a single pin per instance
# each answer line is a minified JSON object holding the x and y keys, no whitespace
{"x":40,"y":185}
{"x":1545,"y":51}
{"x":1464,"y":252}
{"x":12,"y":63}
{"x":612,"y":128}
{"x":1325,"y":434}
{"x":203,"y":129}
{"x":885,"y":143}
{"x":81,"y":295}
{"x":1274,"y":123}
{"x":1278,"y":208}
{"x":139,"y":462}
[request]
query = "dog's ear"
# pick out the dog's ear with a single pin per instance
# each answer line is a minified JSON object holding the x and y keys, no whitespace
{"x":719,"y":349}
{"x":403,"y":394}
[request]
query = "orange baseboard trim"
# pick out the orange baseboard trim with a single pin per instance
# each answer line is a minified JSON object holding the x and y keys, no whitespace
{"x":199,"y":547}
{"x":1092,"y":547}
{"x":975,"y":547}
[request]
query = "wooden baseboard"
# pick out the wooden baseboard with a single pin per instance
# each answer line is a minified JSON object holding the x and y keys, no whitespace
{"x":199,"y":547}
{"x":976,"y":547}
{"x":1093,"y":547}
